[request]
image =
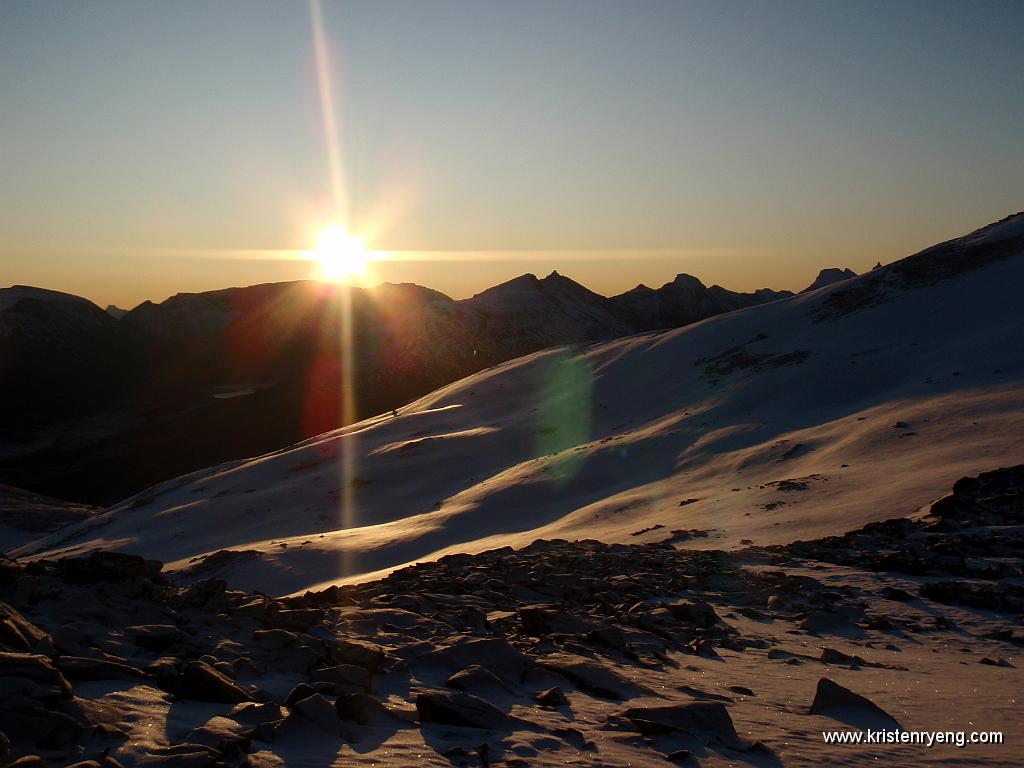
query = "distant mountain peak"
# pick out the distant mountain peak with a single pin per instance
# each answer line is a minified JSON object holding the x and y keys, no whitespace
{"x":828,"y":276}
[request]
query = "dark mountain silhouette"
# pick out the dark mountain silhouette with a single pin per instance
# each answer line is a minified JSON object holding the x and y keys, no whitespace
{"x":99,"y":407}
{"x":829,"y":276}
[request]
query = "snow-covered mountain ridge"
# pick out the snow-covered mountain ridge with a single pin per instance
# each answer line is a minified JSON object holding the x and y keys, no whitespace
{"x":803,"y":417}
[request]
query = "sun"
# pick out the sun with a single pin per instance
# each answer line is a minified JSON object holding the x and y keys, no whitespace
{"x":340,"y":254}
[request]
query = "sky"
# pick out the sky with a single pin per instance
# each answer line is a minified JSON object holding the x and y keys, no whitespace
{"x":148,"y":148}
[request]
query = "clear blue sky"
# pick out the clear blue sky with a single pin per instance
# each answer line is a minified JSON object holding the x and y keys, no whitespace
{"x":746,"y":142}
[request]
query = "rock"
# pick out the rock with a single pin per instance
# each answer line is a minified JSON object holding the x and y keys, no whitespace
{"x":113,"y":566}
{"x":695,"y":612}
{"x":28,"y":761}
{"x":156,"y":637}
{"x":742,"y":690}
{"x":20,"y":634}
{"x":250,"y":713}
{"x":180,"y":756}
{"x":835,"y":701}
{"x":227,"y":736}
{"x":818,"y":622}
{"x":208,"y":594}
{"x":320,"y":712}
{"x":344,"y":676}
{"x":34,"y":667}
{"x":39,"y":728}
{"x":609,"y":637}
{"x":357,"y":653}
{"x":298,"y":693}
{"x":25,"y":692}
{"x":79,"y":668}
{"x":461,"y":709}
{"x":832,"y":656}
{"x":166,"y":671}
{"x":544,"y":620}
{"x":490,"y":652}
{"x":364,"y":709}
{"x":479,"y":680}
{"x":895,"y":593}
{"x":948,"y":506}
{"x":96,"y":715}
{"x":997,"y":662}
{"x":590,"y":676}
{"x":705,"y":719}
{"x":201,"y":682}
{"x":552,"y":697}
{"x":678,"y":755}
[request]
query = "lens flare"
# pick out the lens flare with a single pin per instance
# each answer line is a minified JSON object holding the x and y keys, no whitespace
{"x":341,"y":255}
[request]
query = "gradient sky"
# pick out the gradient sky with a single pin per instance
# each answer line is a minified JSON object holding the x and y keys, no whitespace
{"x":154,"y":147}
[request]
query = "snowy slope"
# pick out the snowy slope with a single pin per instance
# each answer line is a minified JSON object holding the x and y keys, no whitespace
{"x":870,"y":396}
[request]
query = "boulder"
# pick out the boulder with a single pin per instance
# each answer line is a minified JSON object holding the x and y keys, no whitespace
{"x":20,"y":634}
{"x":156,"y":637}
{"x":552,"y":697}
{"x":696,"y":612}
{"x":80,"y":668}
{"x":364,"y":709}
{"x":356,"y":652}
{"x":39,"y":669}
{"x":479,"y":680}
{"x":461,"y":709}
{"x":591,"y":676}
{"x":180,"y":756}
{"x":201,"y":682}
{"x":319,"y":711}
{"x":704,"y":719}
{"x":39,"y":728}
{"x":344,"y":676}
{"x":839,"y":703}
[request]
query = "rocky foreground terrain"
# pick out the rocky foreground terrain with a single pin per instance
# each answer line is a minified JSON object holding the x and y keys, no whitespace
{"x":561,"y":652}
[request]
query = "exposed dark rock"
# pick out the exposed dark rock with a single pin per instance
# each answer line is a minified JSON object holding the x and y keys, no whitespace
{"x":201,"y":682}
{"x":835,"y":701}
{"x":479,"y":680}
{"x":706,"y":719}
{"x":552,"y":697}
{"x":832,"y":656}
{"x":78,"y":668}
{"x":320,"y":712}
{"x":364,"y":709}
{"x":457,"y":708}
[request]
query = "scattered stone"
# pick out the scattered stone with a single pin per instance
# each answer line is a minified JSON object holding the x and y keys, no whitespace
{"x":832,"y":656}
{"x":552,"y":697}
{"x":839,"y":703}
{"x":705,"y":719}
{"x":320,"y":712}
{"x":895,"y":593}
{"x":78,"y":669}
{"x":364,"y":709}
{"x":344,"y":676}
{"x":461,"y":709}
{"x":201,"y":682}
{"x":480,"y":680}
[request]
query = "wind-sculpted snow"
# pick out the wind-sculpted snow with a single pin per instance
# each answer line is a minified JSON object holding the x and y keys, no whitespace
{"x":555,"y":653}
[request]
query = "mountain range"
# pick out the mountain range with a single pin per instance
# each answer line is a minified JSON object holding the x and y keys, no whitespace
{"x":100,"y":404}
{"x":797,"y":418}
